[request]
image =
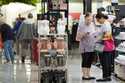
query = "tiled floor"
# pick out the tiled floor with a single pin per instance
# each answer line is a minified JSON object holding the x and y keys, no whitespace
{"x":75,"y":73}
{"x":20,"y":73}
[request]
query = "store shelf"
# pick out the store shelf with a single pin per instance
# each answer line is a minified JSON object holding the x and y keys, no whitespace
{"x":59,"y":51}
{"x":47,"y":62}
{"x":119,"y":38}
{"x":120,"y":50}
{"x":59,"y":55}
{"x":119,"y":62}
{"x":54,"y":68}
{"x":120,"y":59}
{"x":120,"y":69}
{"x":55,"y":35}
{"x":58,"y":38}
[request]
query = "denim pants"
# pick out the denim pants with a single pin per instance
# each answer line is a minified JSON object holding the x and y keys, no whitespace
{"x":8,"y":50}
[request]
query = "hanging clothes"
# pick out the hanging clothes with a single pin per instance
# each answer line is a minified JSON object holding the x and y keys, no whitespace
{"x":61,"y":26}
{"x":43,"y":27}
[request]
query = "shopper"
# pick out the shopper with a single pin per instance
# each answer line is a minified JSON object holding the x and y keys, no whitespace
{"x":84,"y":35}
{"x":17,"y":25}
{"x":107,"y":41}
{"x":18,"y":22}
{"x":25,"y":35}
{"x":7,"y":38}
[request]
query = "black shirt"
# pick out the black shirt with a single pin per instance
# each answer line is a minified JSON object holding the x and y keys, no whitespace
{"x":6,"y":32}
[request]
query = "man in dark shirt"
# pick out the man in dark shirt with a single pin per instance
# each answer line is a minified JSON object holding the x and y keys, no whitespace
{"x":7,"y":37}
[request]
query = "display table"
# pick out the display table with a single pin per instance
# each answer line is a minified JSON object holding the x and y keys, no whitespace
{"x":119,"y":38}
{"x":120,"y":59}
{"x":120,"y":67}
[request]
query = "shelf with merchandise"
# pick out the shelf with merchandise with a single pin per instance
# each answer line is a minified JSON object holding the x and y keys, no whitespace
{"x":53,"y":53}
{"x":120,"y":52}
{"x":53,"y":68}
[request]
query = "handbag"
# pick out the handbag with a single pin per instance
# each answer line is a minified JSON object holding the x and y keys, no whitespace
{"x":99,"y":47}
{"x":109,"y":45}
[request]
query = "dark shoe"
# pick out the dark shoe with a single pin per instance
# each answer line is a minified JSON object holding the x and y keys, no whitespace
{"x":83,"y":78}
{"x":23,"y":59}
{"x":7,"y":61}
{"x":103,"y":80}
{"x":92,"y":78}
{"x":12,"y":62}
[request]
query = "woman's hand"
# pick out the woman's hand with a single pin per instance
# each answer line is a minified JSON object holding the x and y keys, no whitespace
{"x":79,"y":35}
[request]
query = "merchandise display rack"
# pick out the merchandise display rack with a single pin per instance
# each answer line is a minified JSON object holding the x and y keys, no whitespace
{"x":54,"y":47}
{"x":53,"y":64}
{"x":54,"y":9}
{"x":119,"y":60}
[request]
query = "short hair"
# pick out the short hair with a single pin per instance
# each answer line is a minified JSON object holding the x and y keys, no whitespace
{"x":30,"y":15}
{"x":87,"y":14}
{"x":105,"y":17}
{"x":101,"y":15}
{"x":100,"y":10}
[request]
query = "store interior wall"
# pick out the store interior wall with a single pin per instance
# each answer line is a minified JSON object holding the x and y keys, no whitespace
{"x":76,"y":6}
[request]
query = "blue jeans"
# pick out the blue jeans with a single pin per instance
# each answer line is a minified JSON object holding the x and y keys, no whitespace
{"x":8,"y":50}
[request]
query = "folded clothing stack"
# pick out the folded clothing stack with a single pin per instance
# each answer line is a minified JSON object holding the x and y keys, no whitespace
{"x":121,"y":46}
